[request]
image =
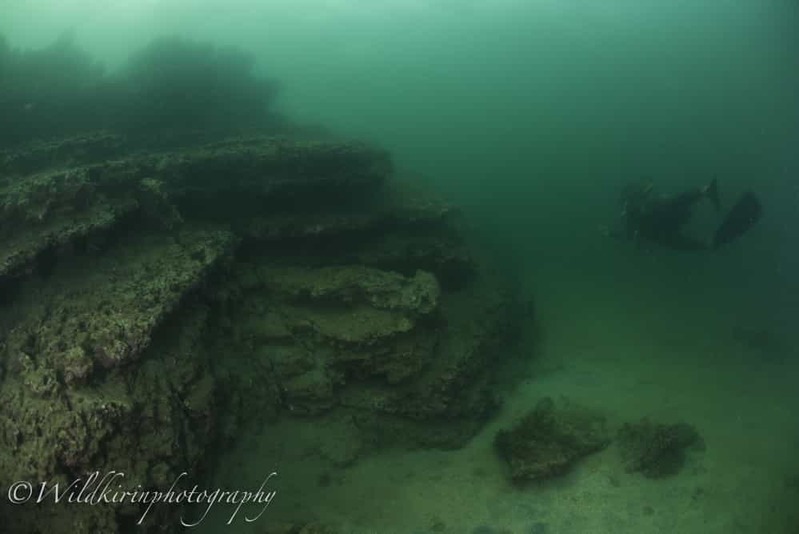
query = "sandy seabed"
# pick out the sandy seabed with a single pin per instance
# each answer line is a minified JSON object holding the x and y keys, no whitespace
{"x":630,"y":346}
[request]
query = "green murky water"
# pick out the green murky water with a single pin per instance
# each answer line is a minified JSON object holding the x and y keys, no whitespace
{"x":532,"y":116}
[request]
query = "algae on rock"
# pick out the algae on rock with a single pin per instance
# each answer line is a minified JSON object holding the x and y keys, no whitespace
{"x":549,"y":440}
{"x":156,"y":303}
{"x":657,"y":450}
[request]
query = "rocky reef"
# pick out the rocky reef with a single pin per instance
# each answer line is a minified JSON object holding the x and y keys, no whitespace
{"x":156,"y":303}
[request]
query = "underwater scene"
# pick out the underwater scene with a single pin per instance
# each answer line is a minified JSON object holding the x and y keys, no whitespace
{"x":399,"y":266}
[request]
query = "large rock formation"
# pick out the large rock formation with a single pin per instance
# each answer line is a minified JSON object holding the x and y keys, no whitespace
{"x":153,"y":303}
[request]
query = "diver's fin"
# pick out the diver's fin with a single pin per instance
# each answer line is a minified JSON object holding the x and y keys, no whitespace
{"x":712,"y":192}
{"x":743,"y":216}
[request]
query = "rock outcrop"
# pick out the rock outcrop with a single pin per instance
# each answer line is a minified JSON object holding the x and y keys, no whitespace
{"x":153,"y":304}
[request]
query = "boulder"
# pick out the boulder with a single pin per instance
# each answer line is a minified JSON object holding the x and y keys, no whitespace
{"x":550,"y":439}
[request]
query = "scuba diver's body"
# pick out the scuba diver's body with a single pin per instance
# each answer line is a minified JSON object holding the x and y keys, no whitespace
{"x":660,"y":219}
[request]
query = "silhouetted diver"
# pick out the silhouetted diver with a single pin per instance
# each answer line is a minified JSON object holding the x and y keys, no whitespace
{"x":661,"y":219}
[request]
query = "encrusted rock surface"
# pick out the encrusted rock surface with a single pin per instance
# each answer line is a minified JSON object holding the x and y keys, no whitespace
{"x":154,"y":304}
{"x":657,"y":450}
{"x":550,"y":439}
